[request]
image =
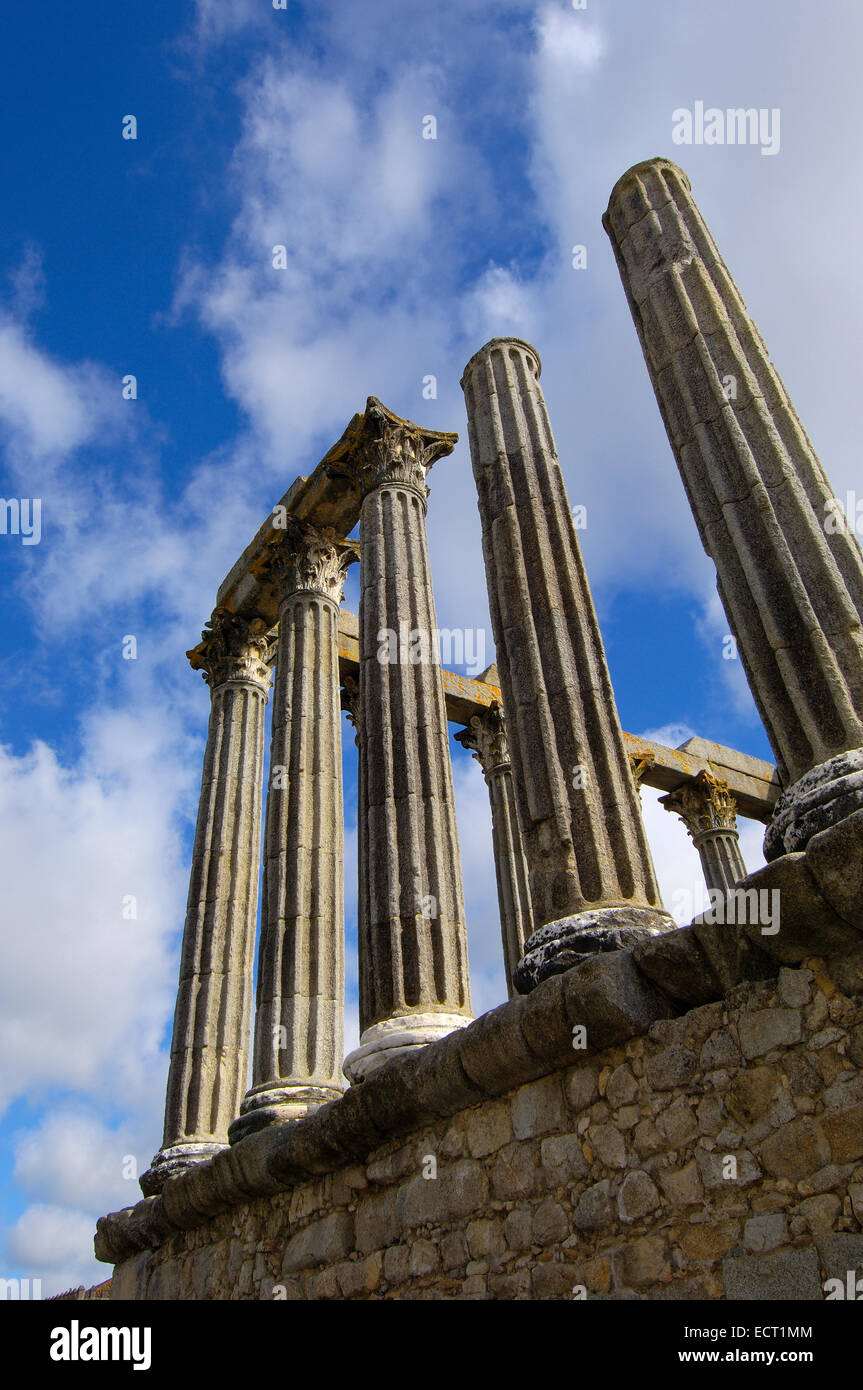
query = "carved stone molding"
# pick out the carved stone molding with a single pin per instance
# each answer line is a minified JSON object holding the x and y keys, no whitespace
{"x":311,"y":559}
{"x":384,"y":448}
{"x":485,"y":737}
{"x":233,"y":648}
{"x":704,"y":804}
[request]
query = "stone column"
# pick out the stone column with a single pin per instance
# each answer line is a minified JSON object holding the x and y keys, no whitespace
{"x":411,"y":930}
{"x":485,"y":736}
{"x":592,"y":883}
{"x":709,"y":812}
{"x":789,"y":572}
{"x":299,"y":1021}
{"x":212,"y":1022}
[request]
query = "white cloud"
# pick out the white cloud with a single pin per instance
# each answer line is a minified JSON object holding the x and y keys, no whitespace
{"x":669,"y":735}
{"x":499,"y":305}
{"x":54,"y":1245}
{"x":218,"y":19}
{"x":74,"y":1159}
{"x":567,"y":38}
{"x":84,"y":993}
{"x":27,"y":283}
{"x":46,"y":408}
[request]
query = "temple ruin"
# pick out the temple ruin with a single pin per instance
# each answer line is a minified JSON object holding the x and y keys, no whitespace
{"x":655,"y":1111}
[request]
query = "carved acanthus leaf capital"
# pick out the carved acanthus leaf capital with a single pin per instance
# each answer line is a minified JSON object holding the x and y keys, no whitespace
{"x":310,"y":559}
{"x":233,"y":648}
{"x":705,"y":804}
{"x":485,"y":737}
{"x":380,"y":447}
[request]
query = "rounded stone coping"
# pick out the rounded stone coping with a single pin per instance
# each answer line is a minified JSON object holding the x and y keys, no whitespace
{"x":645,"y":166}
{"x":500,"y":342}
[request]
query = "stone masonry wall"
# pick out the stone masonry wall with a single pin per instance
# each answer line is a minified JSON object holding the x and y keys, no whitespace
{"x":611,"y":1179}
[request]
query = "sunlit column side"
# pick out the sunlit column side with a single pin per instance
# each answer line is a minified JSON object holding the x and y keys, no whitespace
{"x":789,"y":569}
{"x":299,"y":1019}
{"x":412,"y":941}
{"x":592,"y":883}
{"x":212,"y":1022}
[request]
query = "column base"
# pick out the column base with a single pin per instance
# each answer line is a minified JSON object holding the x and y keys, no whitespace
{"x":170,"y":1162}
{"x":398,"y":1037}
{"x":821,"y":798}
{"x":560,"y":945}
{"x":274,"y":1105}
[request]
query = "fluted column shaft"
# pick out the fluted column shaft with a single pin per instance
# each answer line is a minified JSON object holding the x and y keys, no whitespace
{"x":412,"y":941}
{"x":577,"y":805}
{"x":790,"y":580}
{"x":212,"y":1021}
{"x":486,"y":738}
{"x":299,"y":1019}
{"x":709,"y":813}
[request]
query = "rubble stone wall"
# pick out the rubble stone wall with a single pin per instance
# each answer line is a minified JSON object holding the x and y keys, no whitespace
{"x":718,"y":1154}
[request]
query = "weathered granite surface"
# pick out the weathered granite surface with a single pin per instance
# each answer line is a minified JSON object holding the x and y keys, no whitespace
{"x":298,"y":1051}
{"x":209,"y":1047}
{"x":791,"y":582}
{"x":577,"y":803}
{"x":412,"y":941}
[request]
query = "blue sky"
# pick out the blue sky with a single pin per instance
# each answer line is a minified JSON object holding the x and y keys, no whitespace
{"x":303,"y":127}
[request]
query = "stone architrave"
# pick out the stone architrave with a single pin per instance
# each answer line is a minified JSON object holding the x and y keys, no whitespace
{"x":299,"y":1020}
{"x":789,"y":568}
{"x":212,"y":1021}
{"x":485,"y":737}
{"x":411,"y":926}
{"x":592,"y":883}
{"x":709,"y":812}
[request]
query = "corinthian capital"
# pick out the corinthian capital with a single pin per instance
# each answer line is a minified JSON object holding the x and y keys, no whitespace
{"x":233,"y":648}
{"x":310,"y":559}
{"x":704,"y":804}
{"x":485,"y":737}
{"x":379,"y":447}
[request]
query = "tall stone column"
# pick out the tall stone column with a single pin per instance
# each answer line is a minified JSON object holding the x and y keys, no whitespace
{"x":299,"y":1020}
{"x":212,"y":1022}
{"x":592,"y":883}
{"x":789,"y":572}
{"x":709,"y":812}
{"x":485,"y":737}
{"x":411,"y":928}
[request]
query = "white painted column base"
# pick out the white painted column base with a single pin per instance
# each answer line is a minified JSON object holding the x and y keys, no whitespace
{"x":397,"y":1037}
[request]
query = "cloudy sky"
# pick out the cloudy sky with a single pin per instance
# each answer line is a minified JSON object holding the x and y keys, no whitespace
{"x":303,"y":127}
